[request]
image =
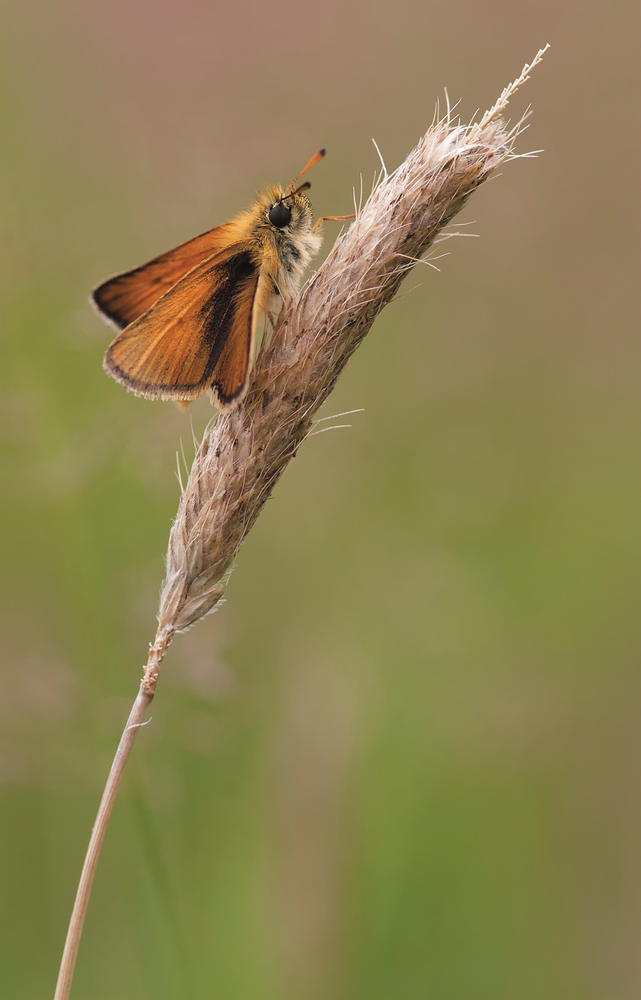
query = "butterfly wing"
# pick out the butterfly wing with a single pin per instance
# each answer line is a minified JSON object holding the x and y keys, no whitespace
{"x":125,"y":297}
{"x":197,"y":336}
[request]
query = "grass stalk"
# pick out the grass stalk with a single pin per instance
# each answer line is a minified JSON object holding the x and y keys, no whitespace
{"x":244,"y":452}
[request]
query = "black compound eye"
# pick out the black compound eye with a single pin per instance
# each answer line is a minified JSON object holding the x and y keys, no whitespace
{"x":280,"y":215}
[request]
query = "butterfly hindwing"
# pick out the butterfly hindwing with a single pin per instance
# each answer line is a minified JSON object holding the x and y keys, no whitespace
{"x":126,"y":296}
{"x":232,"y":369}
{"x":178,"y":348}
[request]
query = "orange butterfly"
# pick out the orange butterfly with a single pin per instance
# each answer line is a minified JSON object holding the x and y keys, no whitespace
{"x":189,"y":317}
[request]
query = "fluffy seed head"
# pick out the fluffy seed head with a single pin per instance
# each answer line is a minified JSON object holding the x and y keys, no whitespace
{"x":245,"y":451}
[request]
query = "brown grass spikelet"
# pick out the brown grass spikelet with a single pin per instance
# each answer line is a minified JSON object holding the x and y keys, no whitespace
{"x":244,"y":452}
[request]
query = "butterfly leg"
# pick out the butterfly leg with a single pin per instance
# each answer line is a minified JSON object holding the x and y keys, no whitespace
{"x":332,"y":218}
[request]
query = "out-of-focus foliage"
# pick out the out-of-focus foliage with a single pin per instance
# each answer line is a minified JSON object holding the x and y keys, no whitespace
{"x":401,"y":761}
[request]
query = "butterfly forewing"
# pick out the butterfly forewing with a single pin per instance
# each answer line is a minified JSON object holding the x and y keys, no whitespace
{"x":126,"y":296}
{"x":173,"y":350}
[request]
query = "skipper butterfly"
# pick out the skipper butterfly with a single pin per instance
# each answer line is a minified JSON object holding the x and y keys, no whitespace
{"x":188,"y":317}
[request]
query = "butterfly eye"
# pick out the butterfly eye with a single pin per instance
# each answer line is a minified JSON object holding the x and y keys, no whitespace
{"x":279,"y":216}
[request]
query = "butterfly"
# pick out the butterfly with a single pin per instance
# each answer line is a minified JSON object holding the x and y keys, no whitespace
{"x":188,"y":318}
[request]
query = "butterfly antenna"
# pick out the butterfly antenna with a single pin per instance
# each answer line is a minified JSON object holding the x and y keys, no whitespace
{"x":315,"y":158}
{"x":305,"y":185}
{"x":302,"y":187}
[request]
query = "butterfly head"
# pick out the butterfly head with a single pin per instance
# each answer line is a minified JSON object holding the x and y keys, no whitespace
{"x":287,"y":210}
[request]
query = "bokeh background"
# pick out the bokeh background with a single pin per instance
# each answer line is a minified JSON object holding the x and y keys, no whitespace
{"x":402,"y":761}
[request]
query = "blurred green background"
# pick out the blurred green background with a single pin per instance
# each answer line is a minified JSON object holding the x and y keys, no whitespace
{"x":402,"y":761}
